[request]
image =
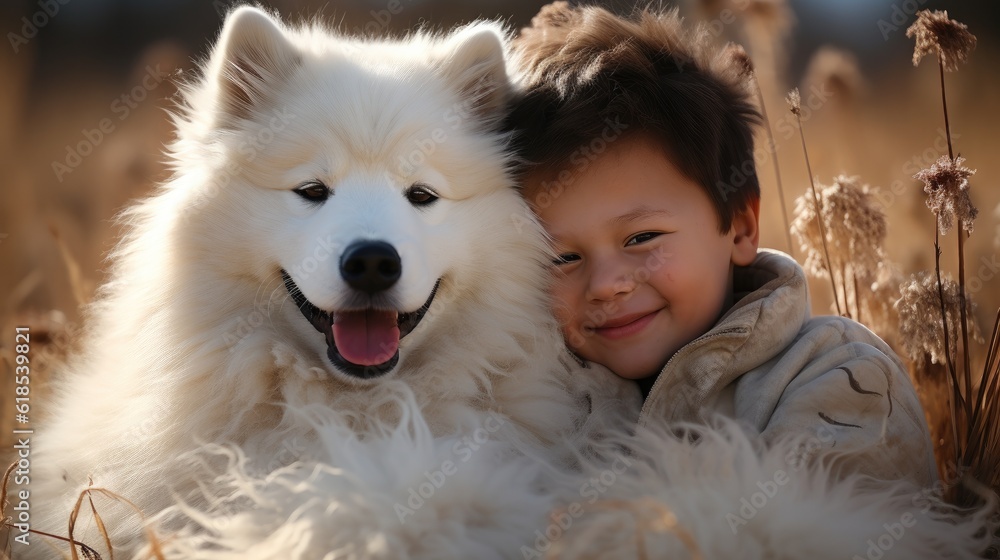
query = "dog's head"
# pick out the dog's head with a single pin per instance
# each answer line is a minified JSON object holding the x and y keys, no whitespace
{"x":368,"y":175}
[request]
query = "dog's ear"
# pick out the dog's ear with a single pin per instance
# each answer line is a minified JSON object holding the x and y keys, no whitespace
{"x":474,"y":62}
{"x":250,"y":62}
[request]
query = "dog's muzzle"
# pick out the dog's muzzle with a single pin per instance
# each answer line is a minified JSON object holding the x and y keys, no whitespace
{"x":363,"y":343}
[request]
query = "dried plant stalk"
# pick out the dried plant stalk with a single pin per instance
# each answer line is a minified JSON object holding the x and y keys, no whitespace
{"x":744,"y":63}
{"x":946,"y":184}
{"x":982,"y":453}
{"x":795,"y":106}
{"x":151,"y":538}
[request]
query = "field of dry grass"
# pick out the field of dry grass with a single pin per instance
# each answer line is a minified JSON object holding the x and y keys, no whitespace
{"x":56,"y":223}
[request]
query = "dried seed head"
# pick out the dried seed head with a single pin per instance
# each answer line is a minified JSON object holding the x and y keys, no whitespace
{"x":856,"y":223}
{"x":877,"y":305}
{"x":738,"y":57}
{"x":794,"y":101}
{"x":937,"y":34}
{"x":734,"y":60}
{"x":836,"y":71}
{"x":919,"y":308}
{"x":947,"y":186}
{"x":855,"y":228}
{"x":996,"y":214}
{"x":805,"y":228}
{"x":771,"y":17}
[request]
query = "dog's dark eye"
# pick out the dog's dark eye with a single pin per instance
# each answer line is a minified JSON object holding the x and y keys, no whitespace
{"x":313,"y":191}
{"x":420,"y":195}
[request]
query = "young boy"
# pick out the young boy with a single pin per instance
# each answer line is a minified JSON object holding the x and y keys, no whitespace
{"x":639,"y":152}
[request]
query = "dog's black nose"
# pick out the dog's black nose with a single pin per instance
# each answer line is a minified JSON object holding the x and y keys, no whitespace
{"x":370,"y":266}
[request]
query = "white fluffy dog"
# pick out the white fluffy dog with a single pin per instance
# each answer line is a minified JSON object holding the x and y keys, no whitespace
{"x":341,"y":229}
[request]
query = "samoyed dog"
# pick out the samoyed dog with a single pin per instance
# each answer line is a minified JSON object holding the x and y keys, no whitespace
{"x":341,"y":236}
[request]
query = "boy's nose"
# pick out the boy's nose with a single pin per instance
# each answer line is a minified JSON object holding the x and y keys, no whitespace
{"x":608,"y":282}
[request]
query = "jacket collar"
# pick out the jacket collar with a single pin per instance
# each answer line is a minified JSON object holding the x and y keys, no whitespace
{"x":772,"y":305}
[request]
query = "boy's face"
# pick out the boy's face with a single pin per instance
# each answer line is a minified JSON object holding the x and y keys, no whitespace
{"x":643,"y":269}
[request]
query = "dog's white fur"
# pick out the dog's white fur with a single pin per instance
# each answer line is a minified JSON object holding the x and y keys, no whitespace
{"x":721,"y":497}
{"x":195,"y":339}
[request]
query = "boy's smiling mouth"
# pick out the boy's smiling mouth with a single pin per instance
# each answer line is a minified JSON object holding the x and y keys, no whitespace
{"x":626,"y":325}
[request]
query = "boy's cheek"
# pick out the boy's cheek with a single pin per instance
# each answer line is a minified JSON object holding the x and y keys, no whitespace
{"x":566,"y":294}
{"x":563,"y":311}
{"x":565,"y":323}
{"x":574,"y":338}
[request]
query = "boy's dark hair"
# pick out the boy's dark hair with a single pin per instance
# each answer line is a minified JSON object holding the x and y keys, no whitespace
{"x":584,"y":72}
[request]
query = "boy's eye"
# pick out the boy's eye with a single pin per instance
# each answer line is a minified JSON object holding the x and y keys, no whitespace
{"x":565,"y":258}
{"x":641,"y":237}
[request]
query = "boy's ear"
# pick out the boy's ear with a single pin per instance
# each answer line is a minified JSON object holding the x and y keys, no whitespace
{"x":474,"y":62}
{"x":746,"y":238}
{"x":251,"y":60}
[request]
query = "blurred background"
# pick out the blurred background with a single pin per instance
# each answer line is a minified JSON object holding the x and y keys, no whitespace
{"x":85,"y":85}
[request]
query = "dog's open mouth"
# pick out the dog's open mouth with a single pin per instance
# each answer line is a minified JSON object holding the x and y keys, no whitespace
{"x":363,"y":343}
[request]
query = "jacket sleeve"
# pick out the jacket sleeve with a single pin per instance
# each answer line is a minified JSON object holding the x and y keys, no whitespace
{"x":855,"y":397}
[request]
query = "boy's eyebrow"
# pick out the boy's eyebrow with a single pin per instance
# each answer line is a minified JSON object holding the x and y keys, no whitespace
{"x":639,"y":213}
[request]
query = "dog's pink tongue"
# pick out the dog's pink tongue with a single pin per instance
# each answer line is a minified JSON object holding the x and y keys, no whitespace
{"x":366,"y":338}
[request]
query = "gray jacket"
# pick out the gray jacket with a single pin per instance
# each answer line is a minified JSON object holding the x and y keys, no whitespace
{"x":770,"y":365}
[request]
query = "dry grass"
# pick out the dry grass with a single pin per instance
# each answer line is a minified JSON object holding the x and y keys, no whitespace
{"x":973,"y":414}
{"x":794,"y":101}
{"x":842,"y":231}
{"x":76,"y":547}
